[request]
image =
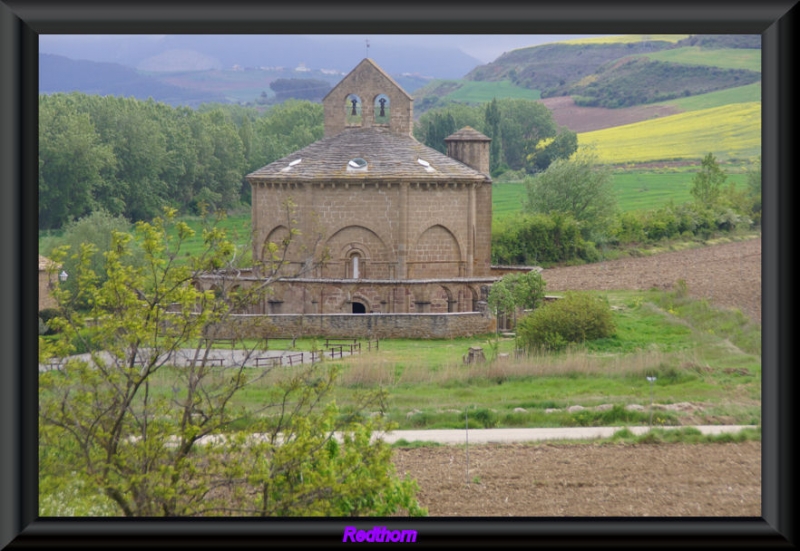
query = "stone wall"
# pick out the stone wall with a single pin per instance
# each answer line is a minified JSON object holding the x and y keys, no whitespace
{"x":340,"y":220}
{"x":417,"y":326}
{"x":46,"y":299}
{"x":368,"y":82}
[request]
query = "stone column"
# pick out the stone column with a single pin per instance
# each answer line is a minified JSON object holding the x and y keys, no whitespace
{"x":402,"y":241}
{"x":471,"y":230}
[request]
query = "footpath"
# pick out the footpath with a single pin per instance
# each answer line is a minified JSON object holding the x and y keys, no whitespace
{"x":490,"y":436}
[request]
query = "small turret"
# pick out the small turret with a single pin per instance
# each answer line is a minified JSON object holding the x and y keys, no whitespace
{"x":469,"y":147}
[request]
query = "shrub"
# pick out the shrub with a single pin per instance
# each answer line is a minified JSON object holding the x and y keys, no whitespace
{"x":485,"y":417}
{"x":576,"y":318}
{"x":44,"y":321}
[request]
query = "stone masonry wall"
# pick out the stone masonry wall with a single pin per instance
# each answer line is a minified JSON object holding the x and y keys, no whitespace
{"x":352,"y":218}
{"x":417,"y":326}
{"x":368,"y":82}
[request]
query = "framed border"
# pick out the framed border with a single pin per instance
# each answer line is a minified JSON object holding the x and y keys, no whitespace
{"x":22,"y":21}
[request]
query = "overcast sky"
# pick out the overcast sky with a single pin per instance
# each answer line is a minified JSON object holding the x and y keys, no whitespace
{"x":484,"y":47}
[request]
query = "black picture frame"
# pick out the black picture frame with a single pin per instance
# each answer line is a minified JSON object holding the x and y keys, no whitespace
{"x":22,"y":21}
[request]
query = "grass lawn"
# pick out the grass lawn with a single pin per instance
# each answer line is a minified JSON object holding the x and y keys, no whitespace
{"x":698,"y":354}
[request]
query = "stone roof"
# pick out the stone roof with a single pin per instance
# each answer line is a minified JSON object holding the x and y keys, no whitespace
{"x":388,"y":156}
{"x":467,"y":134}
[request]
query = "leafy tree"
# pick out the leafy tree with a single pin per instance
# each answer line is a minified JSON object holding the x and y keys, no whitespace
{"x":73,"y":162}
{"x":285,"y":128}
{"x":546,"y":151}
{"x":516,"y":290}
{"x":754,"y":190}
{"x":578,"y":187}
{"x":492,"y":117}
{"x":524,"y":123}
{"x":95,"y":229}
{"x":162,"y":439}
{"x":707,"y":183}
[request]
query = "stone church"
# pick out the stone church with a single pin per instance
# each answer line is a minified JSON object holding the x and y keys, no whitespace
{"x":380,"y":223}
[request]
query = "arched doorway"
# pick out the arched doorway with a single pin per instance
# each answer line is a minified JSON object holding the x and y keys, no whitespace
{"x":359,"y":308}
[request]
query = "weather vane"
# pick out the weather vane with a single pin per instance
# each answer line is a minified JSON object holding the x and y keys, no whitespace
{"x":367,"y":41}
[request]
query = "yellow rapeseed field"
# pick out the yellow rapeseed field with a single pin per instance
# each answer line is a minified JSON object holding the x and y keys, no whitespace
{"x":729,"y":132}
{"x":626,"y":39}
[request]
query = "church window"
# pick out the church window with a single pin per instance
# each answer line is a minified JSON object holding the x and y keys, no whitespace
{"x":382,"y":109}
{"x":355,"y":268}
{"x":353,"y":110}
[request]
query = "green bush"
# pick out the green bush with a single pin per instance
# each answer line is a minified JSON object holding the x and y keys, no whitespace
{"x":576,"y":318}
{"x":44,"y":320}
{"x":531,"y":239}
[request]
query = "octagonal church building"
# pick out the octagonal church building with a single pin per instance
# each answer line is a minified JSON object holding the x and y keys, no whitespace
{"x":379,"y":222}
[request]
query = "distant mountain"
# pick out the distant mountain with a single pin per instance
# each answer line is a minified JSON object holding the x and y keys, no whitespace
{"x":226,"y":51}
{"x":61,"y":74}
{"x":552,"y":65}
{"x":628,"y":72}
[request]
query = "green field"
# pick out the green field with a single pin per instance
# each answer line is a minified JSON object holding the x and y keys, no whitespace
{"x":727,"y":58}
{"x":647,"y":190}
{"x":481,"y":92}
{"x":635,"y":191}
{"x":685,"y":343}
{"x":741,"y":94}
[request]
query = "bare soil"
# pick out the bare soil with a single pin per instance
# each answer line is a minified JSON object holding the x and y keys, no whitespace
{"x":587,"y":119}
{"x":565,"y":480}
{"x":728,"y":275}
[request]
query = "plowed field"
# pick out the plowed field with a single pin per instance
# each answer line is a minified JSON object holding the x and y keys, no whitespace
{"x":610,"y":480}
{"x":728,"y":275}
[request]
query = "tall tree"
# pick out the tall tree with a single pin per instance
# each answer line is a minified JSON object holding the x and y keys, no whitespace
{"x":579,"y":187}
{"x":708,"y":181}
{"x":73,"y":162}
{"x":492,"y":125}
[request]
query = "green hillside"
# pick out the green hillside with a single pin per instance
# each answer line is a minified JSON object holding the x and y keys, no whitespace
{"x":728,"y":58}
{"x":552,"y":65}
{"x":629,"y":70}
{"x":438,"y":93}
{"x":637,"y":80}
{"x":741,"y":94}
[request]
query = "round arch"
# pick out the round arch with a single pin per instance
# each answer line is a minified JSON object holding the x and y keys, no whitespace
{"x":354,"y":112}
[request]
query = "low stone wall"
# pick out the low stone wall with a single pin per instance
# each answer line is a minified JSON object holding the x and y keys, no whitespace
{"x":418,"y":326}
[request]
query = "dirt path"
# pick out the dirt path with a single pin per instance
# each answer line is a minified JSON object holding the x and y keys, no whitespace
{"x":587,"y":479}
{"x":729,"y":275}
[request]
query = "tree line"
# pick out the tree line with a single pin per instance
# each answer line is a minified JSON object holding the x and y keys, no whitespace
{"x":131,"y":157}
{"x":525,"y":137}
{"x":570,"y":211}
